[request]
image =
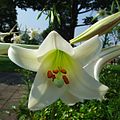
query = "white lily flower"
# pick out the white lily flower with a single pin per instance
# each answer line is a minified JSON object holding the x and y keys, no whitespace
{"x":59,"y":71}
{"x":16,"y":39}
{"x":34,"y":34}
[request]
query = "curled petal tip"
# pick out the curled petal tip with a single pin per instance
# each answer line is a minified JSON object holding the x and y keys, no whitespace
{"x":106,"y":55}
{"x":103,"y":90}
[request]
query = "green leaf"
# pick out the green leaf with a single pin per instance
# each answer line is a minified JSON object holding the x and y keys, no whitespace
{"x":52,"y":16}
{"x":58,"y":19}
{"x":40,"y":13}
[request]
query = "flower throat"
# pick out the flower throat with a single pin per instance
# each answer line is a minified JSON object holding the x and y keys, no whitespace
{"x":60,"y":63}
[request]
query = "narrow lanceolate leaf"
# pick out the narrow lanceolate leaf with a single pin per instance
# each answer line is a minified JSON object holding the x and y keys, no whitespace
{"x":39,"y":15}
{"x":100,"y":27}
{"x":52,"y":16}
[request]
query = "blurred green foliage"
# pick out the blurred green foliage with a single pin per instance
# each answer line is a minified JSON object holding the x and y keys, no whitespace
{"x":6,"y":65}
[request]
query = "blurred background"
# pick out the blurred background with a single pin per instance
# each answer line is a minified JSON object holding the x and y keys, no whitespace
{"x":67,"y":17}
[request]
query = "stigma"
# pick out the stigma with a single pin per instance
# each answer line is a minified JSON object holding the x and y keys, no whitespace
{"x":58,"y":77}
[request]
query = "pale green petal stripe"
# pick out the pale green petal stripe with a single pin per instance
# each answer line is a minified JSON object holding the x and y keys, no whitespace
{"x":25,"y":58}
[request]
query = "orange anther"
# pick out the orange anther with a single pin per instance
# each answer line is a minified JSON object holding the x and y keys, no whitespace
{"x":65,"y":79}
{"x":63,"y":71}
{"x":53,"y":77}
{"x":49,"y":74}
{"x":55,"y":71}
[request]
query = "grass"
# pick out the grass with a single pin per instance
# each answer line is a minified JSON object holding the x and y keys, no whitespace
{"x":115,"y":68}
{"x":6,"y":65}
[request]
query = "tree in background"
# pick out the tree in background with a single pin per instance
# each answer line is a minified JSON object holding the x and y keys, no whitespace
{"x":62,"y":14}
{"x":113,"y":36}
{"x":8,"y":17}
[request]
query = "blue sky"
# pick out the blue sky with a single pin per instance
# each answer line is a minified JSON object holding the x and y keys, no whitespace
{"x":27,"y":19}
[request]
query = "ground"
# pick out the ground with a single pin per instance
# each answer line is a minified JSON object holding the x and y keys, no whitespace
{"x":11,"y":91}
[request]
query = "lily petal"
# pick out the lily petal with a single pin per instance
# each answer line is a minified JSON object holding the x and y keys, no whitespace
{"x":25,"y":58}
{"x":43,"y":91}
{"x":70,"y":99}
{"x":54,"y":41}
{"x":88,"y":50}
{"x":102,"y":60}
{"x":84,"y":86}
{"x":95,"y":66}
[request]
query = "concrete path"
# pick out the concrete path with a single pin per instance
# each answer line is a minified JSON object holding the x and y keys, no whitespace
{"x":11,"y":91}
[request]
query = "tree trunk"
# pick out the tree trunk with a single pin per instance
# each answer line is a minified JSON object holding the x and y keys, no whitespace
{"x":74,"y":15}
{"x":68,"y":22}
